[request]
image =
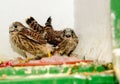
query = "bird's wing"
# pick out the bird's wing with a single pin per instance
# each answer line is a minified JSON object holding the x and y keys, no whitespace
{"x":48,"y":22}
{"x":34,"y":25}
{"x":62,"y":44}
{"x":34,"y":36}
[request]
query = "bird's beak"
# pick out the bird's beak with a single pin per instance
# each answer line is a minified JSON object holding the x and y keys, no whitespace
{"x":11,"y":29}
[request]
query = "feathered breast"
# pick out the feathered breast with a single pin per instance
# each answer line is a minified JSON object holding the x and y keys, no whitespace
{"x":27,"y":44}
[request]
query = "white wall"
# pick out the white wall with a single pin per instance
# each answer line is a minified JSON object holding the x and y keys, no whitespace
{"x":18,"y":10}
{"x":92,"y":24}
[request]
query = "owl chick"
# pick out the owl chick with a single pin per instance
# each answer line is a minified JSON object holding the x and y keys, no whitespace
{"x":24,"y":40}
{"x":68,"y":44}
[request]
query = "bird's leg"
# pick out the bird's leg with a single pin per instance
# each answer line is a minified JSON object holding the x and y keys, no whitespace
{"x":73,"y":55}
{"x":59,"y":52}
{"x":29,"y":57}
{"x":49,"y":54}
{"x":49,"y":49}
{"x":22,"y":60}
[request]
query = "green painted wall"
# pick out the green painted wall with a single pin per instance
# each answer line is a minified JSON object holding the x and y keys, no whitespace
{"x":115,"y":9}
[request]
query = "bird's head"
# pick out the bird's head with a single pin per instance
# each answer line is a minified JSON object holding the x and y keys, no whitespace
{"x":16,"y":27}
{"x":68,"y":32}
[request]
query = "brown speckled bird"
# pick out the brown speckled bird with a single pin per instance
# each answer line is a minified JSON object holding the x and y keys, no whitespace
{"x":24,"y":40}
{"x":68,"y":44}
{"x":52,"y":36}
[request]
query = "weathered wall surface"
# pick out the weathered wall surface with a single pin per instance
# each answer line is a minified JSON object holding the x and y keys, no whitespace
{"x":92,"y":24}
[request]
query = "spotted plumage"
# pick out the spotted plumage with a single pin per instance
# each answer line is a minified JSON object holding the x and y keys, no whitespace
{"x":68,"y":44}
{"x":65,"y":40}
{"x":33,"y":24}
{"x":52,"y":36}
{"x":24,"y":40}
{"x":33,"y":35}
